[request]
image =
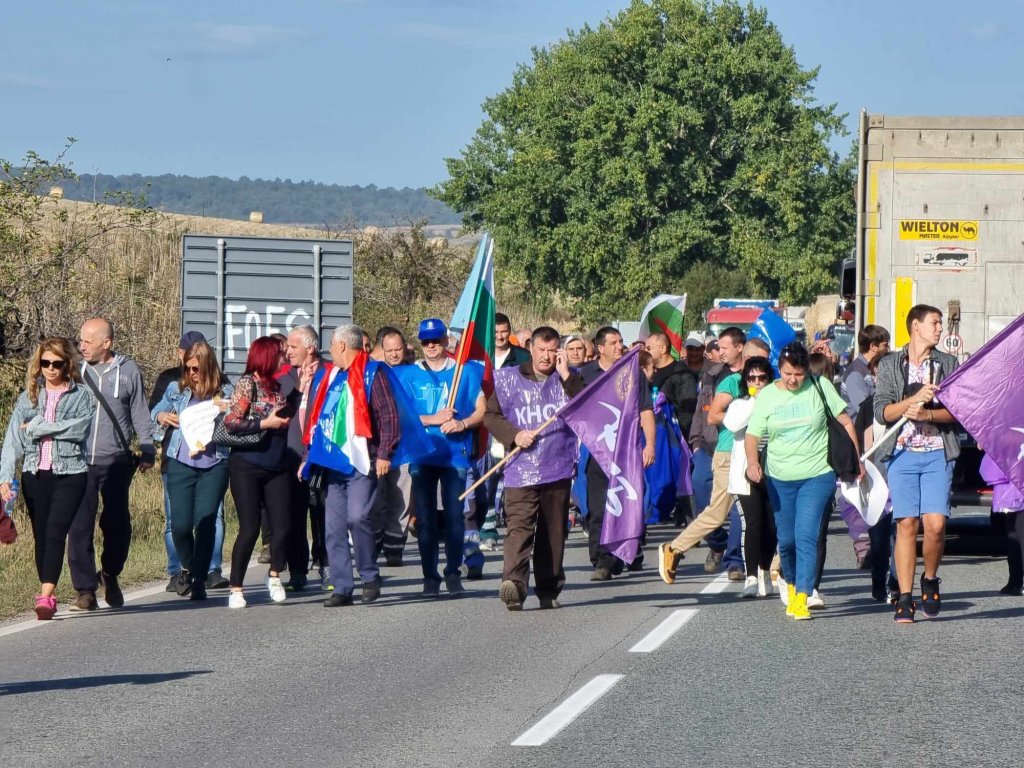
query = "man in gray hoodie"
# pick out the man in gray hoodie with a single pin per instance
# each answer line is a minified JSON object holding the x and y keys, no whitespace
{"x":111,"y":463}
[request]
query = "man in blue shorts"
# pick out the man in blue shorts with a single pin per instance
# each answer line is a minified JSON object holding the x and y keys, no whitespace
{"x":920,"y":459}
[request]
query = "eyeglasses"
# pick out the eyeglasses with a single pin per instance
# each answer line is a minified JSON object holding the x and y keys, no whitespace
{"x":192,"y":368}
{"x":55,"y":364}
{"x":758,"y":377}
{"x":432,"y":342}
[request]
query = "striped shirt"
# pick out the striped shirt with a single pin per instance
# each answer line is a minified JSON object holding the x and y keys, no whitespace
{"x":50,"y":415}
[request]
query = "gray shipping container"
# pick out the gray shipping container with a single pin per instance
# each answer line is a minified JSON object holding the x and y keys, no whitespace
{"x":236,"y":289}
{"x":941,"y":221}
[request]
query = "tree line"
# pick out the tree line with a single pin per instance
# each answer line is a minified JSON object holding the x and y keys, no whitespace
{"x":281,"y":201}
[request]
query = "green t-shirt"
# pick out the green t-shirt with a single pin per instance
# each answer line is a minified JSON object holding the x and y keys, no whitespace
{"x":730,"y":385}
{"x":795,"y":425}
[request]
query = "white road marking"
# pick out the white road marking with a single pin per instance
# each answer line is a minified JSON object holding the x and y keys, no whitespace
{"x":65,"y":614}
{"x":562,"y":715}
{"x":717,"y":585}
{"x":657,"y":636}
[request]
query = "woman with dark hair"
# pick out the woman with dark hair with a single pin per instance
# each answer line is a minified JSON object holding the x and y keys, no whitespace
{"x":259,"y":472}
{"x":47,"y":432}
{"x":759,"y":538}
{"x":792,"y":414}
{"x":197,"y":475}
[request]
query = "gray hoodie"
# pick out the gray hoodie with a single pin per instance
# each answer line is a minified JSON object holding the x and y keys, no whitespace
{"x":120,"y":382}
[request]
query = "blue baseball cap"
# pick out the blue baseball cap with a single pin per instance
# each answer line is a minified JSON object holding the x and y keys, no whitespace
{"x":432,"y":329}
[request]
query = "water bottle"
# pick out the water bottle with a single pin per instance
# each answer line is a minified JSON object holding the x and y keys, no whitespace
{"x":9,"y":505}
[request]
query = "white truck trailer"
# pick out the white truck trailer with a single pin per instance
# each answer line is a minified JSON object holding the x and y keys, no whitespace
{"x":940,"y":221}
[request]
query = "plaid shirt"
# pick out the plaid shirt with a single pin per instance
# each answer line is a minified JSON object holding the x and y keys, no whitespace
{"x":384,"y":415}
{"x":50,"y":415}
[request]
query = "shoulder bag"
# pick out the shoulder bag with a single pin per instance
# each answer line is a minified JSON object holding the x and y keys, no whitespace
{"x":222,"y":436}
{"x":842,"y":452}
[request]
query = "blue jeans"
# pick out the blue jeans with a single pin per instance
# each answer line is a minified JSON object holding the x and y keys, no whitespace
{"x":425,"y":480}
{"x":173,"y":563}
{"x":733,"y":557}
{"x":703,"y":481}
{"x":799,"y":507}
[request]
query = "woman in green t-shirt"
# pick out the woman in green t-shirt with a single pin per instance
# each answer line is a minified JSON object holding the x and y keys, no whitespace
{"x":791,"y":414}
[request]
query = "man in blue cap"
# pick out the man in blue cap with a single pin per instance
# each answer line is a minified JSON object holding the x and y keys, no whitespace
{"x":451,"y":434}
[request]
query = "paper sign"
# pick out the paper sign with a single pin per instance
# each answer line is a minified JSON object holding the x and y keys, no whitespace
{"x":869,"y":496}
{"x":196,"y":425}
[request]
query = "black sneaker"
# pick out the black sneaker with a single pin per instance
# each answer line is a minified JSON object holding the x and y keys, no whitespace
{"x":112,"y":590}
{"x":216,"y":580}
{"x":371,"y":590}
{"x":905,"y":609}
{"x":475,"y":573}
{"x":931,"y":601}
{"x":1012,"y":589}
{"x":549,"y":603}
{"x":337,"y":600}
{"x":297,"y":583}
{"x":878,"y":592}
{"x":431,"y":588}
{"x":713,"y":560}
{"x":453,"y":584}
{"x":184,"y":583}
{"x":393,"y":560}
{"x":198,"y":589}
{"x":172,"y":584}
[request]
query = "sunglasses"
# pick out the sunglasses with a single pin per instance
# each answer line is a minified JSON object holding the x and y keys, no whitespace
{"x":192,"y":368}
{"x":757,"y":377}
{"x":433,"y":342}
{"x":55,"y":364}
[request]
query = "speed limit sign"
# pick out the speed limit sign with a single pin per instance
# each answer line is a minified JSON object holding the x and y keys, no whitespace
{"x":952,"y":343}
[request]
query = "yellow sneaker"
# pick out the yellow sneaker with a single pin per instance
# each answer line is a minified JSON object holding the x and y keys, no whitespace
{"x":790,"y":598}
{"x":799,"y":606}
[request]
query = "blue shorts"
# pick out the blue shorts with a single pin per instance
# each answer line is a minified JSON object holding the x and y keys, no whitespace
{"x":919,"y":483}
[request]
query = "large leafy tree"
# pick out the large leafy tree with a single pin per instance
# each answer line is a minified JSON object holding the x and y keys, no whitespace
{"x":675,"y":134}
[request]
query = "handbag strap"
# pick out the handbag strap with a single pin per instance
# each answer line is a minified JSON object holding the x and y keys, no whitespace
{"x":87,"y":378}
{"x":829,"y":418}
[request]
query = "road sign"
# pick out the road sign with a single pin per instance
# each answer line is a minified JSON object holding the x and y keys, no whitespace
{"x":952,"y":343}
{"x":235,"y":289}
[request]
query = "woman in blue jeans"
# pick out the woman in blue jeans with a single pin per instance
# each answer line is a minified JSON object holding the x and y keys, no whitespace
{"x":197,"y":475}
{"x":791,"y":414}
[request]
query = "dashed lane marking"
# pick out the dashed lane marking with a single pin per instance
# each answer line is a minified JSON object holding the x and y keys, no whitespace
{"x":717,"y":585}
{"x":557,"y":719}
{"x":657,"y":636}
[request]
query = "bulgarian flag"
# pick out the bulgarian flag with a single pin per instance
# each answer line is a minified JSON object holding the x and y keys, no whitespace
{"x":474,"y":317}
{"x":352,"y":425}
{"x":664,"y":314}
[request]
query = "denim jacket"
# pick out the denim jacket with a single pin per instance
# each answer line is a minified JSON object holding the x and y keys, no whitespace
{"x":70,"y":432}
{"x":175,"y":401}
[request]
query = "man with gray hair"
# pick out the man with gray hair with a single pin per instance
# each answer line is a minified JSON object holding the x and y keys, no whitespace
{"x":303,"y":351}
{"x":352,"y":433}
{"x":122,"y":415}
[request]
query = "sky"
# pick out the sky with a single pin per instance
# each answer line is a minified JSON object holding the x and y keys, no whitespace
{"x":381,"y":91}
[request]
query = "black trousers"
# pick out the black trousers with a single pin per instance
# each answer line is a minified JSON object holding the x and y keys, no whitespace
{"x":760,"y":538}
{"x":597,"y":497}
{"x":830,"y":507}
{"x":111,"y":483}
{"x":254,"y":487}
{"x":52,"y":501}
{"x":298,"y":509}
{"x":1013,"y":526}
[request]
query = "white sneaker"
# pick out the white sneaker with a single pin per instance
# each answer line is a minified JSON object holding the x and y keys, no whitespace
{"x":486,"y":545}
{"x":276,"y":589}
{"x":750,"y":587}
{"x":814,"y":600}
{"x":764,"y":584}
{"x":780,"y":584}
{"x":236,"y":599}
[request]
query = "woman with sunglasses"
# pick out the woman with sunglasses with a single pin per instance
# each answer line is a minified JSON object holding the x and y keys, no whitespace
{"x":197,"y":475}
{"x":791,"y":414}
{"x":47,"y":432}
{"x":759,"y":537}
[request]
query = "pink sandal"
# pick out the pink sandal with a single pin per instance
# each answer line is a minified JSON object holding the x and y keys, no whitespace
{"x":45,"y":607}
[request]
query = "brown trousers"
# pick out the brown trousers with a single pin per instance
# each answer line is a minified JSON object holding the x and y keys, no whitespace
{"x":537,"y":519}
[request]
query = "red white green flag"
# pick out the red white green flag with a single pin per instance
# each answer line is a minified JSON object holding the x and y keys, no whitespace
{"x":664,"y":314}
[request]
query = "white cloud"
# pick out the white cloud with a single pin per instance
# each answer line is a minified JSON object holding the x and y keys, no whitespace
{"x":243,"y":38}
{"x":466,"y":37}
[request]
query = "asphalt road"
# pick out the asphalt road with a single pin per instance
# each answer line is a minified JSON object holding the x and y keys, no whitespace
{"x":454,"y":682}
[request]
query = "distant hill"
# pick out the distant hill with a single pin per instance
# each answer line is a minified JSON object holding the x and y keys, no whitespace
{"x":281,"y":202}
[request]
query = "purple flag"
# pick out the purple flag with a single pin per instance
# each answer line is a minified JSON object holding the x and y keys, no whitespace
{"x":606,"y":417}
{"x":984,"y":394}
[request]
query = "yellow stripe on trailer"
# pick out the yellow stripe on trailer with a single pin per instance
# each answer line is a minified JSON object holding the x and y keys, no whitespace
{"x":904,"y":296}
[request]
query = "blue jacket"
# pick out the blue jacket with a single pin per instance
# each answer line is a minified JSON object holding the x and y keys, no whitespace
{"x":175,"y":400}
{"x":70,"y":431}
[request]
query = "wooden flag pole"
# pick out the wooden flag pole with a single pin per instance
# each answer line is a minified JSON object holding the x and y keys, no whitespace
{"x":504,"y":461}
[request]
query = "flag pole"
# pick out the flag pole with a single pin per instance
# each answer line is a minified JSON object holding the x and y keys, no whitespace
{"x":893,"y":430}
{"x":460,"y":362}
{"x":508,"y":457}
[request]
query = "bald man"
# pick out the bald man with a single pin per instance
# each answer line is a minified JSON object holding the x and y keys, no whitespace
{"x":121,"y":416}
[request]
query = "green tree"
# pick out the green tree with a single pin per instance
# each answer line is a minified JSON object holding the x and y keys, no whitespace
{"x":676,"y":133}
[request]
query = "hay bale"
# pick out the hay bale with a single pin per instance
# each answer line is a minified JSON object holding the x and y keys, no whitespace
{"x":256,"y":217}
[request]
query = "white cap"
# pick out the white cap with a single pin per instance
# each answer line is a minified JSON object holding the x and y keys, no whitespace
{"x":695,"y":339}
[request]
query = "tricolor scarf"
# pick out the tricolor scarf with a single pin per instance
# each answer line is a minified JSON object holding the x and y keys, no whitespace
{"x":352,"y":416}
